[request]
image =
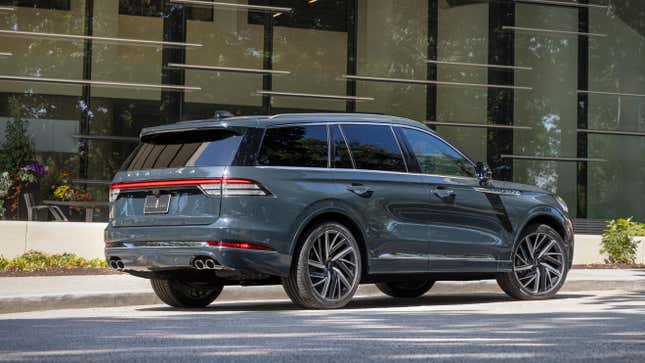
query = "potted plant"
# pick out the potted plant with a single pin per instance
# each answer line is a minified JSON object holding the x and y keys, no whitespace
{"x":68,"y":193}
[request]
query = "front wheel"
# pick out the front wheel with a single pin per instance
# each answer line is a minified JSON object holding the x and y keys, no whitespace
{"x":540,"y":265}
{"x":327,"y":269}
{"x":181,"y":294}
{"x":407,"y":289}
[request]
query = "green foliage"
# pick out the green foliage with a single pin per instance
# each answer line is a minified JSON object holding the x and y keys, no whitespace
{"x":34,"y":260}
{"x":618,"y":240}
{"x":17,"y":150}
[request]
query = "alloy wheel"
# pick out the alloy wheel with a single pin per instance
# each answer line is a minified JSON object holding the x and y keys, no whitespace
{"x":539,"y":263}
{"x":332,"y":266}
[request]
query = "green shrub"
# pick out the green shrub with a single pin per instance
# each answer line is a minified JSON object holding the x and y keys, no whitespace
{"x":34,"y":260}
{"x":618,"y":240}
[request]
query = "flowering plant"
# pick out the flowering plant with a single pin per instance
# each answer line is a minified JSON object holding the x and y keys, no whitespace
{"x":31,"y":172}
{"x":69,"y":193}
{"x":12,"y":184}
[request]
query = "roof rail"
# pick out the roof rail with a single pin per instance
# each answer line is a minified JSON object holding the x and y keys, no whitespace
{"x":218,"y":115}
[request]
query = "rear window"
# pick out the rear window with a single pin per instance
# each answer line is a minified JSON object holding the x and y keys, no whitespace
{"x":187,"y":148}
{"x":304,"y":146}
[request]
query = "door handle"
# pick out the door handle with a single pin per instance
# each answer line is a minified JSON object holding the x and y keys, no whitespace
{"x":443,"y":192}
{"x":360,"y":190}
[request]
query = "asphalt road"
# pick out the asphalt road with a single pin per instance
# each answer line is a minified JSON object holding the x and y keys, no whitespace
{"x":585,"y":326}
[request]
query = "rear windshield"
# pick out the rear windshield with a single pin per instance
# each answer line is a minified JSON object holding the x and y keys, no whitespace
{"x":186,"y":148}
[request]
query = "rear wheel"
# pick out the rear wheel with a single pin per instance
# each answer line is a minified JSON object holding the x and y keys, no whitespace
{"x":181,"y":294}
{"x":540,"y":265}
{"x":327,"y":271}
{"x":407,"y":289}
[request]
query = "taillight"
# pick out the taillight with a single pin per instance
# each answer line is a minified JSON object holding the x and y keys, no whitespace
{"x":234,"y":187}
{"x":240,"y":245}
{"x":239,"y":187}
{"x":226,"y":187}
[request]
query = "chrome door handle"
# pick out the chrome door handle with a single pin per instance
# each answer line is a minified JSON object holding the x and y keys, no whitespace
{"x":360,"y":190}
{"x":442,"y":192}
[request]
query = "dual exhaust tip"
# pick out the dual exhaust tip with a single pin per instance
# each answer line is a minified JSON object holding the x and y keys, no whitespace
{"x":205,"y":263}
{"x":200,"y":263}
{"x":117,"y":264}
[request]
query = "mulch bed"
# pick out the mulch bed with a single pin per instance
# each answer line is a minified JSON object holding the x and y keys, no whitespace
{"x":60,"y":272}
{"x":107,"y":271}
{"x":608,"y":266}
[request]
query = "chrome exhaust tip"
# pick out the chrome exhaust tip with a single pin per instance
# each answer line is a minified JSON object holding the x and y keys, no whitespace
{"x":120,"y":265}
{"x":210,"y":264}
{"x":199,"y":264}
{"x":114,"y":265}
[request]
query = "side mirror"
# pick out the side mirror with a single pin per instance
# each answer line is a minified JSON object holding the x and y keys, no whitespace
{"x":484,"y":174}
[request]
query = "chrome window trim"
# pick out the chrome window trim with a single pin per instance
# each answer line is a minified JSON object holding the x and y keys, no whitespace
{"x":498,"y":191}
{"x":340,"y":123}
{"x":307,"y":168}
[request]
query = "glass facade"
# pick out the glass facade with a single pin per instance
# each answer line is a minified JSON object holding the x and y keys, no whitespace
{"x":548,"y":94}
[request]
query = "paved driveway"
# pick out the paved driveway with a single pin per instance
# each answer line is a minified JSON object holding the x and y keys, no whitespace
{"x":584,"y":326}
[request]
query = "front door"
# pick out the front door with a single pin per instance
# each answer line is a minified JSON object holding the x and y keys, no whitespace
{"x":466,"y":226}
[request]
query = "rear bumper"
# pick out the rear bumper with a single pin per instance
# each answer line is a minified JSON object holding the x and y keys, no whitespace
{"x":175,"y":258}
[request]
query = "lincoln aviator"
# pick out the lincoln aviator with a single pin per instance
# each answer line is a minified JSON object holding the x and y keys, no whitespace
{"x":321,"y":203}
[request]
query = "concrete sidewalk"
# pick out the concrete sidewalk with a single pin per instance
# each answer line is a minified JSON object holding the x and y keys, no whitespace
{"x":63,"y":292}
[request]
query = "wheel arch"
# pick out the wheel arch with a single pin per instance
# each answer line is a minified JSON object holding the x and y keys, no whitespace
{"x":553,"y":218}
{"x":338,"y":216}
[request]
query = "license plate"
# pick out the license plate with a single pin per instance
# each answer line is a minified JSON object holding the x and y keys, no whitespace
{"x":156,"y":204}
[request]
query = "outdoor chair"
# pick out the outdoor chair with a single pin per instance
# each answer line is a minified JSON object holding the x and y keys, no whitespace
{"x":33,"y":207}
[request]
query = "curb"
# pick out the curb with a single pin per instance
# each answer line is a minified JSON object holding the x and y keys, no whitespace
{"x":239,"y":293}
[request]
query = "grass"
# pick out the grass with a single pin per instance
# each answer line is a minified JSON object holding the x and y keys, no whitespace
{"x":35,"y":260}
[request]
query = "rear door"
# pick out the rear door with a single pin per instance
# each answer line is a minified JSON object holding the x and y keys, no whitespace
{"x":174,"y":178}
{"x":466,"y":227}
{"x":385,"y":195}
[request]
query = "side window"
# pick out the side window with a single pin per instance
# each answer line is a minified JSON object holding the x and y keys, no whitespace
{"x":304,"y":146}
{"x":374,"y":147}
{"x":435,"y":156}
{"x":340,"y":156}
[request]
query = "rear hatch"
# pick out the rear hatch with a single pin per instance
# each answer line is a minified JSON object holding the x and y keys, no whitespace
{"x":174,"y":178}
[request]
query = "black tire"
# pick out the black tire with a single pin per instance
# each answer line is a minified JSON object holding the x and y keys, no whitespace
{"x":405,"y":289}
{"x":299,"y":285}
{"x":510,"y":281}
{"x":182,"y":295}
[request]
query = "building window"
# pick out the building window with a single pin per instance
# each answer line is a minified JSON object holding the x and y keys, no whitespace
{"x":154,"y":8}
{"x":40,"y":4}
